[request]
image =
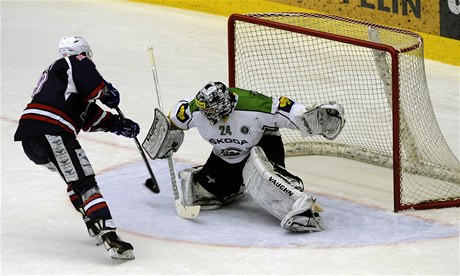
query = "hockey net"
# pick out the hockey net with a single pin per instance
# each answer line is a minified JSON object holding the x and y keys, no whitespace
{"x":375,"y":72}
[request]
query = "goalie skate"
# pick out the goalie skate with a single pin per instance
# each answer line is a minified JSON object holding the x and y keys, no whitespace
{"x":117,"y":248}
{"x":307,"y":221}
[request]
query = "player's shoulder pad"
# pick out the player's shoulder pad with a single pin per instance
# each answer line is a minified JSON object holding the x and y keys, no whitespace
{"x":180,"y":111}
{"x":285,"y":104}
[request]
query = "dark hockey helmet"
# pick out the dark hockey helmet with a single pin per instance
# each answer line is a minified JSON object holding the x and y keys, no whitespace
{"x":215,"y":101}
{"x":74,"y":45}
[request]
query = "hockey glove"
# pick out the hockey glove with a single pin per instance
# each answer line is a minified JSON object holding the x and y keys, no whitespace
{"x":326,"y":120}
{"x":110,"y":95}
{"x":125,"y":127}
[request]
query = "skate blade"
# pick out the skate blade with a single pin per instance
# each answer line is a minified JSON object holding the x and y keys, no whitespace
{"x":127,"y":255}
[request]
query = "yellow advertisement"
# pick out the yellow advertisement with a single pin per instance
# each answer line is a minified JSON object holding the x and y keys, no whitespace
{"x":428,"y":16}
{"x":438,"y":22}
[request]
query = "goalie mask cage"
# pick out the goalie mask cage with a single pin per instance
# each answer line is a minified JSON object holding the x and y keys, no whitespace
{"x":376,"y":72}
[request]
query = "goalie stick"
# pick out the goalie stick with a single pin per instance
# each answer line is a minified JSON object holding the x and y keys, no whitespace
{"x":151,"y":183}
{"x":182,"y":210}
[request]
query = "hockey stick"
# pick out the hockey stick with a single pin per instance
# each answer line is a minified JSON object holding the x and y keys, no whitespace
{"x":151,"y":183}
{"x":182,"y":210}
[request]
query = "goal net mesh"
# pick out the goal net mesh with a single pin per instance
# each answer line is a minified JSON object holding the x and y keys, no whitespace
{"x":315,"y":58}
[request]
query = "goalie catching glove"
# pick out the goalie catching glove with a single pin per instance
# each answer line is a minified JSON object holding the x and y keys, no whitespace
{"x":326,"y":120}
{"x":162,"y":140}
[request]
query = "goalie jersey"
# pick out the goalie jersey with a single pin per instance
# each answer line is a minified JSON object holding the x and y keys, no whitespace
{"x":253,"y":116}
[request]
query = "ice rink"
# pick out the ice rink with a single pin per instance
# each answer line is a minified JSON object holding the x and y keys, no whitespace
{"x":41,"y":233}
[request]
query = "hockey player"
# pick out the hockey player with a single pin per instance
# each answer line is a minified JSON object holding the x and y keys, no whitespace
{"x":63,"y":103}
{"x":243,"y":128}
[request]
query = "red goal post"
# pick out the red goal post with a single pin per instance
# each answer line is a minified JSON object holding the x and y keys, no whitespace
{"x":375,"y":72}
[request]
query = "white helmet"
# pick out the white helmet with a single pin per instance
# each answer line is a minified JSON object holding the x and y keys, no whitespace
{"x":74,"y":45}
{"x":215,"y":101}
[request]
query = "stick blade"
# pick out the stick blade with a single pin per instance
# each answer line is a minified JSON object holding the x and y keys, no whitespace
{"x":187,"y":212}
{"x":152,"y":185}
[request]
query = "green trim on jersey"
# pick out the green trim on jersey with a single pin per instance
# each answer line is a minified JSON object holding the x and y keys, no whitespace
{"x":247,"y":101}
{"x":252,"y":101}
{"x":192,"y":106}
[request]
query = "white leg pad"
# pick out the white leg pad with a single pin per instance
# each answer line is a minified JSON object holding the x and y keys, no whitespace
{"x":194,"y":194}
{"x":274,"y":192}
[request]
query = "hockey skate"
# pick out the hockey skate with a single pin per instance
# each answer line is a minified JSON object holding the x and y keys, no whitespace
{"x":307,"y":221}
{"x":93,"y":230}
{"x":117,"y":248}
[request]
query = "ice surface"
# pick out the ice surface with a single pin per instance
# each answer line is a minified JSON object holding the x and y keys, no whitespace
{"x":41,"y":234}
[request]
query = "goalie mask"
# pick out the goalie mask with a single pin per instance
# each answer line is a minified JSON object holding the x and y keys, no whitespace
{"x":74,"y":45}
{"x":215,"y":101}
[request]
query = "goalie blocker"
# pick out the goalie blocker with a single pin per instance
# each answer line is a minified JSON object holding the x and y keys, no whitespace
{"x":280,"y":194}
{"x":162,"y":140}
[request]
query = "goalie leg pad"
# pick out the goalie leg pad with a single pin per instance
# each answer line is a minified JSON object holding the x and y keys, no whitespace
{"x":194,"y":194}
{"x":274,"y":192}
{"x":304,"y":216}
{"x":326,"y":120}
{"x":295,"y":181}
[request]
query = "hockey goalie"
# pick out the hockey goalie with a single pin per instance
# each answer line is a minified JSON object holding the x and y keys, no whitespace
{"x":247,"y":150}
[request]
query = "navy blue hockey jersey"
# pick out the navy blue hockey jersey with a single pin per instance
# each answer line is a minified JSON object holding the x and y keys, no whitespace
{"x":64,"y":100}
